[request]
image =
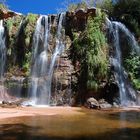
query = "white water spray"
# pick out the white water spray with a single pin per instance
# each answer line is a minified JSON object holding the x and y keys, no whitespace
{"x":127,"y":93}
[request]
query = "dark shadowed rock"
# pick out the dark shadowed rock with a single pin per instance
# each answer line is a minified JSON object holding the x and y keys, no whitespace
{"x":80,"y":13}
{"x":138,"y":98}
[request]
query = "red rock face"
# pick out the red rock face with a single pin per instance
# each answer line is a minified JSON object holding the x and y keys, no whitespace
{"x":83,"y":14}
{"x":78,"y":19}
{"x":6,"y":14}
{"x":65,"y":73}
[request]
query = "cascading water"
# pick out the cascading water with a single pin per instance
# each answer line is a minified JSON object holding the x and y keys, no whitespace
{"x":127,"y":93}
{"x":129,"y":35}
{"x":3,"y":96}
{"x":2,"y":50}
{"x":38,"y":88}
{"x":58,"y":50}
{"x":42,"y":70}
{"x":117,"y":63}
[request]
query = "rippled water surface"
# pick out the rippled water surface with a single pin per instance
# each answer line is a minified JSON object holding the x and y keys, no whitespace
{"x":85,"y":125}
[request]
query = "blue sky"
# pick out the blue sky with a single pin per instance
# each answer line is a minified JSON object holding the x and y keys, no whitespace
{"x":35,"y":6}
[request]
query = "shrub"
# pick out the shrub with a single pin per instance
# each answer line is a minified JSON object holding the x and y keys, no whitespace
{"x":132,"y":65}
{"x":91,"y":51}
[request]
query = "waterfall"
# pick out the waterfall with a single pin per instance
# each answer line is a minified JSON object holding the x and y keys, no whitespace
{"x":127,"y":93}
{"x":2,"y":50}
{"x":117,"y":63}
{"x":38,"y":88}
{"x":129,"y":35}
{"x":58,"y":50}
{"x":42,"y":68}
{"x":3,"y":95}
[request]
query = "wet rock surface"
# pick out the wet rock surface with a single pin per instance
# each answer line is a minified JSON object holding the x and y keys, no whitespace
{"x":78,"y":19}
{"x":92,"y":103}
{"x":104,"y":104}
{"x":12,"y":104}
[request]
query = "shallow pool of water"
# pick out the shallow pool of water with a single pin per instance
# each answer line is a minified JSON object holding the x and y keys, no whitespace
{"x":85,"y":125}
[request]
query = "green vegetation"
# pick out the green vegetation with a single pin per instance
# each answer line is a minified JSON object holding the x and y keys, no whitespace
{"x":128,"y":12}
{"x":132,"y":65}
{"x":12,"y":26}
{"x":31,"y":20}
{"x":106,"y":5}
{"x":9,"y":24}
{"x":28,"y":34}
{"x":3,"y":6}
{"x":90,"y":50}
{"x":20,"y":31}
{"x":26,"y":63}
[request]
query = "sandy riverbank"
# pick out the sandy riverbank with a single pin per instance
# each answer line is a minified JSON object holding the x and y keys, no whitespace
{"x":71,"y":123}
{"x":38,"y":111}
{"x":48,"y":111}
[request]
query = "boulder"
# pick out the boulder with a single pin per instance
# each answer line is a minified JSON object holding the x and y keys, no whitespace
{"x":92,"y":103}
{"x":12,"y":104}
{"x":7,"y":104}
{"x":80,"y":13}
{"x":104,"y":104}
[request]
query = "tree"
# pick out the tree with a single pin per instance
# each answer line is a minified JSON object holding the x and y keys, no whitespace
{"x":128,"y":12}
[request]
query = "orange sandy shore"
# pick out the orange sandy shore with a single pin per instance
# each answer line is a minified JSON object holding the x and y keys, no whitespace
{"x":37,"y":111}
{"x":48,"y":111}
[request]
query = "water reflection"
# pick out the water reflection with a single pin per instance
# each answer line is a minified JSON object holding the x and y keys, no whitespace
{"x":130,"y":116}
{"x":24,"y":132}
{"x":94,"y":125}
